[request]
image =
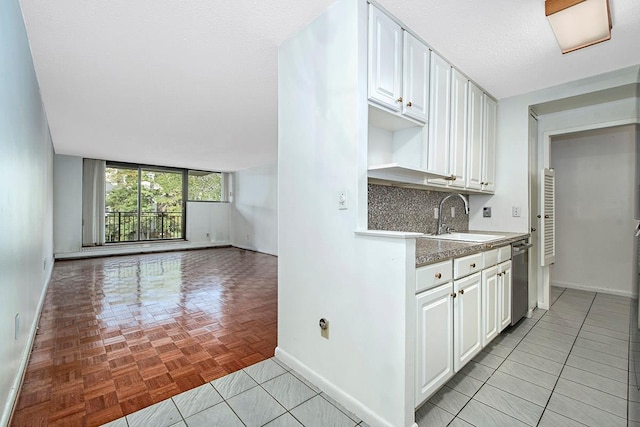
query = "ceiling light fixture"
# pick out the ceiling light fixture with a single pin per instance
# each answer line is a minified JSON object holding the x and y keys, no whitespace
{"x":579,"y":23}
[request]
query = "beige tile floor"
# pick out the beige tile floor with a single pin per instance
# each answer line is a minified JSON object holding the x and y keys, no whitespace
{"x":265,"y":394}
{"x":568,"y":366}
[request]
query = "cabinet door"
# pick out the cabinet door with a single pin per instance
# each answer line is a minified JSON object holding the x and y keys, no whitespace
{"x":489,"y":144}
{"x":434,"y":358}
{"x":467,"y":328}
{"x":439,"y":116}
{"x":415,"y":84}
{"x":385,"y":60}
{"x":474,"y":137}
{"x":490,"y":305}
{"x":504,"y":287}
{"x":457,"y":136}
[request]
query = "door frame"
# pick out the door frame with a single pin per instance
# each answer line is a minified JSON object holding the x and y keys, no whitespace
{"x":542,"y":280}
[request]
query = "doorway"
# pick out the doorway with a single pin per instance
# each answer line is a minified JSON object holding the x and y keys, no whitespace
{"x":595,"y":201}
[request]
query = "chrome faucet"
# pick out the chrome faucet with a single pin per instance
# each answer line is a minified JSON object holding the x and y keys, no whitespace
{"x":444,"y":199}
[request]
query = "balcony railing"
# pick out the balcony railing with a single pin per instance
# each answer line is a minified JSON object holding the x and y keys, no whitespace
{"x":123,"y":226}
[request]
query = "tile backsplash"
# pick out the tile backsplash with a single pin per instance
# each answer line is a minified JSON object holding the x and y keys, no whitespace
{"x":409,"y":209}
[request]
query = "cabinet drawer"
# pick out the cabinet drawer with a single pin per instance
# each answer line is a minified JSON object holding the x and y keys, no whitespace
{"x":432,"y":275}
{"x":504,"y":253}
{"x":467,"y":265}
{"x":490,"y":258}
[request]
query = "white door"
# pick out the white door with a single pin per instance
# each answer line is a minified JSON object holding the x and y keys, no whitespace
{"x":547,"y":220}
{"x":467,"y":326}
{"x":439,"y":116}
{"x":434,"y":358}
{"x":415,"y":84}
{"x":385,"y":60}
{"x":474,"y":137}
{"x":457,"y":135}
{"x":504,"y":291}
{"x":489,"y":144}
{"x":490,"y":305}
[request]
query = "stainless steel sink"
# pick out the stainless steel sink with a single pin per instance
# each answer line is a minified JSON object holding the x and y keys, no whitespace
{"x":467,"y":237}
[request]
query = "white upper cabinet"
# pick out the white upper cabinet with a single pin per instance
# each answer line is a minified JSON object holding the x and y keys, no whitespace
{"x":415,"y":84}
{"x":458,"y":135}
{"x":385,"y":60}
{"x":438,"y":152}
{"x":474,"y":137}
{"x":489,"y":144}
{"x":429,"y":125}
{"x":481,"y":140}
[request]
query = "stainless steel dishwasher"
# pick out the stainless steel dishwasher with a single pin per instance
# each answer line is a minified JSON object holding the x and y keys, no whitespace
{"x":520,"y":282}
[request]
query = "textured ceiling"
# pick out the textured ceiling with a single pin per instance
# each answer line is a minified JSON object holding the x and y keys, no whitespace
{"x":192,"y":83}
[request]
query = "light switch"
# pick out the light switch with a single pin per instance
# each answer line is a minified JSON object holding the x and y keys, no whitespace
{"x":342,"y":200}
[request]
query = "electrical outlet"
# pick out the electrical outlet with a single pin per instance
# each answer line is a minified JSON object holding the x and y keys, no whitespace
{"x":342,"y":200}
{"x":515,"y":211}
{"x":453,"y":211}
{"x":324,"y":328}
{"x":486,"y":212}
{"x":435,"y":213}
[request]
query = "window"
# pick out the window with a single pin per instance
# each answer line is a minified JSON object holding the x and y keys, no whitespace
{"x":205,"y":186}
{"x":143,"y":203}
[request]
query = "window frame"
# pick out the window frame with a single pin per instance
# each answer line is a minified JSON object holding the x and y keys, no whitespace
{"x":224,"y":185}
{"x":152,"y":168}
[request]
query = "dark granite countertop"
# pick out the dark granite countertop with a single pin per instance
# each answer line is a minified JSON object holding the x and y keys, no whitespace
{"x":430,"y":250}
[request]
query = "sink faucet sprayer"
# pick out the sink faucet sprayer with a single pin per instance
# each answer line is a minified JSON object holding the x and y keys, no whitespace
{"x":466,"y":210}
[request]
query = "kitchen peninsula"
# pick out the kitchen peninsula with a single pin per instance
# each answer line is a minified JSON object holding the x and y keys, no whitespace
{"x":333,"y":264}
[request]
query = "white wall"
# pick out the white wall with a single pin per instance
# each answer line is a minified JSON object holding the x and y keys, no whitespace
{"x":359,"y":283}
{"x":208,"y":222}
{"x":67,"y":203}
{"x":26,"y":169}
{"x":254,"y":216}
{"x":595,"y":186}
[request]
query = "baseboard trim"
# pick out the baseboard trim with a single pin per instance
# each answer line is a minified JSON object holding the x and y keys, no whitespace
{"x":12,"y":399}
{"x":345,"y":399}
{"x":578,"y":287}
{"x":138,"y":248}
{"x":246,"y":248}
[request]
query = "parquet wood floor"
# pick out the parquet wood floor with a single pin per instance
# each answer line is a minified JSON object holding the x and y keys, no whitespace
{"x":119,"y":334}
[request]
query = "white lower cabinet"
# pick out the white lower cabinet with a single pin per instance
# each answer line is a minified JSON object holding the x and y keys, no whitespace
{"x":448,"y":332}
{"x":496,"y":297}
{"x":457,"y":318}
{"x":504,"y":291}
{"x":467,"y":329}
{"x":491,"y":304}
{"x":434,"y":342}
